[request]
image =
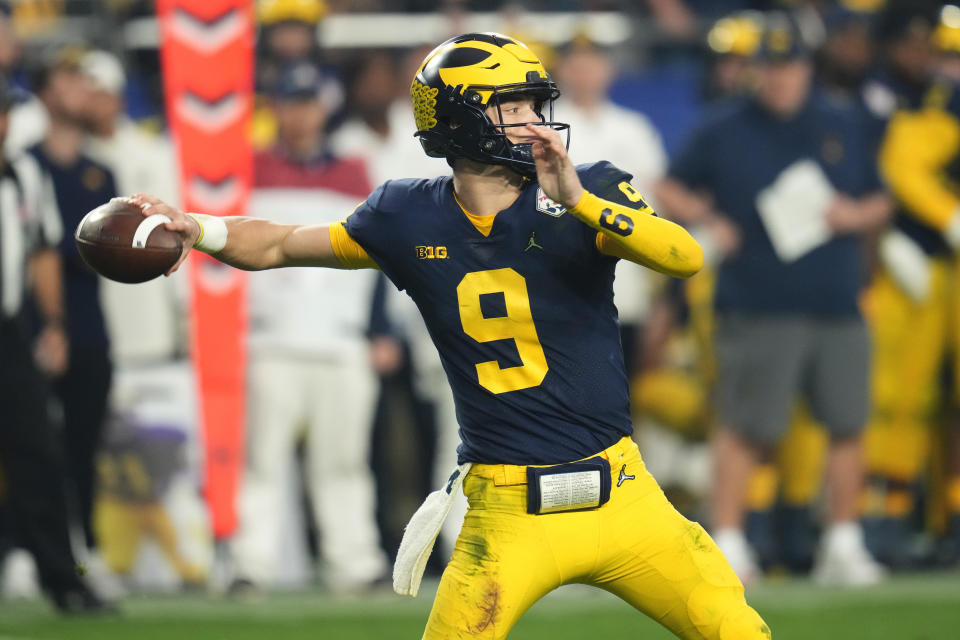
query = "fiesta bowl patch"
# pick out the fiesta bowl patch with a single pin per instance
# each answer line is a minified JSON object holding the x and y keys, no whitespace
{"x":548,"y":206}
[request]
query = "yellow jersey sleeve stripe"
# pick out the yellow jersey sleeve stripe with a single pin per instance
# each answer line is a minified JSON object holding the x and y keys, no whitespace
{"x":639,"y":237}
{"x":350,"y":254}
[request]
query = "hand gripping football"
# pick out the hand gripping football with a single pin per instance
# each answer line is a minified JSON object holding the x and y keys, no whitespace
{"x":119,"y":243}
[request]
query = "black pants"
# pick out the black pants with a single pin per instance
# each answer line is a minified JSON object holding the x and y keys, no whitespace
{"x":33,"y":464}
{"x":82,"y":392}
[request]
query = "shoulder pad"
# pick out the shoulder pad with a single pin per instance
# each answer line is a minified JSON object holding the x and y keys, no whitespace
{"x":600,"y":174}
{"x":398,"y":195}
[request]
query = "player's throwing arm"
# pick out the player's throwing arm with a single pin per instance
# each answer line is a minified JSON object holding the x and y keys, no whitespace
{"x":251,"y":244}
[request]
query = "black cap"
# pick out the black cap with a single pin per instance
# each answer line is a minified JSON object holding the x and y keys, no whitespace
{"x":305,"y":81}
{"x":781,"y":42}
{"x":904,"y":23}
{"x":299,"y":81}
{"x":55,"y":57}
{"x":841,"y":17}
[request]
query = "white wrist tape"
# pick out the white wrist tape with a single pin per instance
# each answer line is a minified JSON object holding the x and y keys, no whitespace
{"x":213,"y":233}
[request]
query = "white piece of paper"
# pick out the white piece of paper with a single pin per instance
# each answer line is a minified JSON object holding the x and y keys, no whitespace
{"x":794,"y":209}
{"x":564,"y":491}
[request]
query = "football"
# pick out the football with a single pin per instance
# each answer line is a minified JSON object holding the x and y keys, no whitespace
{"x":119,"y":243}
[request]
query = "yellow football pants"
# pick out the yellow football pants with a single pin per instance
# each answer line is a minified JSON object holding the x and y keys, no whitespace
{"x":910,"y":342}
{"x":637,"y":546}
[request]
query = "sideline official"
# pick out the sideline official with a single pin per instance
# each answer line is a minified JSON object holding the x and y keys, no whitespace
{"x":29,"y":452}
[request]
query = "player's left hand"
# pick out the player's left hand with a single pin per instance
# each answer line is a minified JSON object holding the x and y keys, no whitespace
{"x":555,"y":171}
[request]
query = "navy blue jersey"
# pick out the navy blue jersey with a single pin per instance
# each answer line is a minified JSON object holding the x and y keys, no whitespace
{"x":80,"y":187}
{"x":523,"y":319}
{"x":739,"y":152}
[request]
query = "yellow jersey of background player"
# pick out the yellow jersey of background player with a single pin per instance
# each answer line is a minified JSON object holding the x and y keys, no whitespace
{"x":510,"y":261}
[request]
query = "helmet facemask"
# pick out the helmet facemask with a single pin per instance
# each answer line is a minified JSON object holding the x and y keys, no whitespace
{"x":519,"y":156}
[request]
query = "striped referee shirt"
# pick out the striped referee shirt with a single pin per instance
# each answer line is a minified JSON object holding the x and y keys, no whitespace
{"x":29,"y":221}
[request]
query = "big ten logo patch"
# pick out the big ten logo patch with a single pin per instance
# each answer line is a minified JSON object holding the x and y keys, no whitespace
{"x":431,"y":253}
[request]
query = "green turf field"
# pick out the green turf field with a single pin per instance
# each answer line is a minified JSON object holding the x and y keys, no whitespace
{"x":906,"y":608}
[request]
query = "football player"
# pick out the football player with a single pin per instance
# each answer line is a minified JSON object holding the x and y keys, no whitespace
{"x":510,"y":260}
{"x":916,"y":329}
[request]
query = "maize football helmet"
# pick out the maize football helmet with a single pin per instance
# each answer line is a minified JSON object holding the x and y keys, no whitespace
{"x":464,"y":76}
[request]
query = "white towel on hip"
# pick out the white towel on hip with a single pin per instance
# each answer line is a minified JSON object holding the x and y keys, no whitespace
{"x":421,"y":532}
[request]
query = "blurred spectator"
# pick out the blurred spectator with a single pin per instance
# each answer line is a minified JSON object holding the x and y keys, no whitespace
{"x":144,"y":322}
{"x":40,"y":18}
{"x":903,"y":37}
{"x":780,"y":531}
{"x":674,"y":17}
{"x":302,"y":101}
{"x":138,"y":465}
{"x":288,"y":34}
{"x":846,"y":57}
{"x":380,"y":125}
{"x":915,"y":310}
{"x":80,"y":185}
{"x":29,"y":448}
{"x":732,"y":42}
{"x":308,"y":367}
{"x":9,"y":42}
{"x":907,"y":305}
{"x":139,"y":159}
{"x":788,"y":322}
{"x":901,"y":409}
{"x":28,"y":119}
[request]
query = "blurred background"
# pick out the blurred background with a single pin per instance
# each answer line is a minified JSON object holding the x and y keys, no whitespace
{"x":292,"y":464}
